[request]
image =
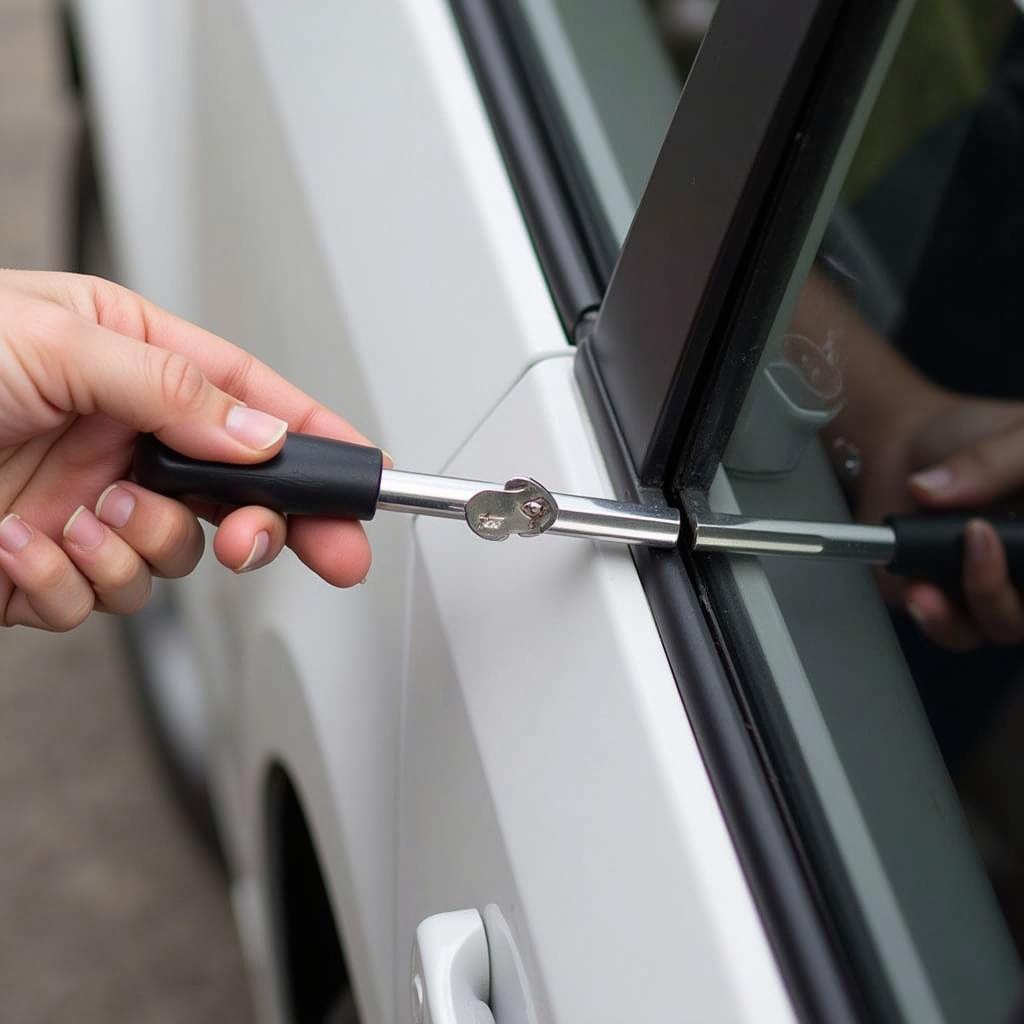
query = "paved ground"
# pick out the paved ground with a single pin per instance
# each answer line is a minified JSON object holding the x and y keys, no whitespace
{"x":109,"y":911}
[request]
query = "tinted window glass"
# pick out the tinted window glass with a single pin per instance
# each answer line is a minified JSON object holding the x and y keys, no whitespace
{"x":890,"y":383}
{"x":615,"y":68}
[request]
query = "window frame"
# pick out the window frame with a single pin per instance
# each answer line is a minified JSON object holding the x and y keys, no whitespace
{"x":574,"y":243}
{"x":814,"y":82}
{"x":650,"y":352}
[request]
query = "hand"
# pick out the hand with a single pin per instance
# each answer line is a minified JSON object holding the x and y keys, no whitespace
{"x":86,"y":365}
{"x":964,"y":453}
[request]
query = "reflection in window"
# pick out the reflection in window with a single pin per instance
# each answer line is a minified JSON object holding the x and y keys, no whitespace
{"x":615,"y":68}
{"x":892,"y":381}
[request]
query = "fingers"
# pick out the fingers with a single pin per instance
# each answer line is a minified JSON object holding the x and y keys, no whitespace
{"x":249,"y":538}
{"x":120,"y":578}
{"x":337,"y":550}
{"x":106,"y":558}
{"x":940,"y":619}
{"x":112,"y":309}
{"x":154,"y":390}
{"x":50,"y":592}
{"x":237,"y":372}
{"x":993,"y":611}
{"x":164,"y":532}
{"x":991,"y":597}
{"x":987,"y":469}
{"x":117,"y":354}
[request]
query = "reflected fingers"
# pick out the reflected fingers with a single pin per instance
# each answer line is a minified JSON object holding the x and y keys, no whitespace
{"x":991,"y":597}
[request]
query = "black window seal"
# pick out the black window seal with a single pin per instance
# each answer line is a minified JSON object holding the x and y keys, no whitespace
{"x":561,"y":217}
{"x":705,"y":428}
{"x":810,"y":956}
{"x":571,"y":236}
{"x":825,"y":981}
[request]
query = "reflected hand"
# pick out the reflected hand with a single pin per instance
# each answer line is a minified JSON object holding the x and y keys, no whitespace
{"x":968,"y":453}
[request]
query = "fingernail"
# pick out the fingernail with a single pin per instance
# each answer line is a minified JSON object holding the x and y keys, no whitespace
{"x":84,"y":530}
{"x":977,"y":541}
{"x":14,"y":533}
{"x":364,"y":579}
{"x":917,"y":614}
{"x":935,"y":481}
{"x":388,"y":457}
{"x":115,"y":506}
{"x":258,"y":551}
{"x":253,"y":428}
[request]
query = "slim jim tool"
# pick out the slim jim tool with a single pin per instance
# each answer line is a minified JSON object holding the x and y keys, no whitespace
{"x":322,"y":477}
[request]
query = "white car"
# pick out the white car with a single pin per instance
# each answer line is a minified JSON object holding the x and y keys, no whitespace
{"x":557,"y":779}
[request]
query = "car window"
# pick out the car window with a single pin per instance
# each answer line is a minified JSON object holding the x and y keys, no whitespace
{"x":615,"y":69}
{"x":893,"y":712}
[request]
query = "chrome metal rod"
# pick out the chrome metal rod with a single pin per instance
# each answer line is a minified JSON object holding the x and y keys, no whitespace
{"x":715,"y":531}
{"x":619,"y":521}
{"x":593,"y":518}
{"x":426,"y":495}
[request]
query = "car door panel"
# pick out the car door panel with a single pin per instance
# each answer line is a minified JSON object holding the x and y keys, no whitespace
{"x":548,"y":766}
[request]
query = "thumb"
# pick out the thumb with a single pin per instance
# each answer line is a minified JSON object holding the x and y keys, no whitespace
{"x":977,"y":474}
{"x":157,"y":391}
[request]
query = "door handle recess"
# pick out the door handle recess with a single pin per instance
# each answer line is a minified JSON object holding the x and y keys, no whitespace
{"x":451,"y":970}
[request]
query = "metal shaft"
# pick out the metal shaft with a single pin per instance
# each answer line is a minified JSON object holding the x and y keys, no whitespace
{"x":594,"y":518}
{"x":713,"y":531}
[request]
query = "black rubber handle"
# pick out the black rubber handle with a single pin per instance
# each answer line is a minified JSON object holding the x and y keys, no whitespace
{"x":932,"y":547}
{"x":310,"y":476}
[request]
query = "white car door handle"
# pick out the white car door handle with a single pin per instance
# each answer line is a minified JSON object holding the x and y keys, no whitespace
{"x":451,"y":970}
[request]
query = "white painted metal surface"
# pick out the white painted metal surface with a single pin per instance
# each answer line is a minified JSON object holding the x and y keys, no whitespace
{"x":481,"y":724}
{"x":548,"y":765}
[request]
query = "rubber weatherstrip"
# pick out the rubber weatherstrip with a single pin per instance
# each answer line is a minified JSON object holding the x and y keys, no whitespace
{"x":812,"y":961}
{"x":552,"y":188}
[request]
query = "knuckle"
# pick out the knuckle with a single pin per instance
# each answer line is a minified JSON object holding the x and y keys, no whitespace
{"x":52,"y":325}
{"x":237,"y":381}
{"x":53,"y":574}
{"x":113,"y":304}
{"x":130,"y":599}
{"x":122,"y":573}
{"x":172,"y":539}
{"x":143,"y":595}
{"x":74,"y":614}
{"x":182,"y":384}
{"x":979,"y":458}
{"x":186,"y":566}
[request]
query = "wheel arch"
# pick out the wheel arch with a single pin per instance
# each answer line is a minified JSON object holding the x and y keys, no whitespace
{"x":307,"y":933}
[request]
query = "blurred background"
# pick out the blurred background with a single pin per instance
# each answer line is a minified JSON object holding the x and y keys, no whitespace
{"x":110,"y":908}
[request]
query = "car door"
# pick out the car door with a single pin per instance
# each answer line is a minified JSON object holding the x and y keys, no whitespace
{"x":550,"y":772}
{"x":546,"y":772}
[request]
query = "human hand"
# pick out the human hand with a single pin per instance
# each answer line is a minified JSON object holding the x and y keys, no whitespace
{"x":85,"y":366}
{"x":966,"y":453}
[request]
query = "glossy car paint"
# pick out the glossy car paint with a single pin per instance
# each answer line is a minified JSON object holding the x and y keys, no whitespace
{"x":479,"y":723}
